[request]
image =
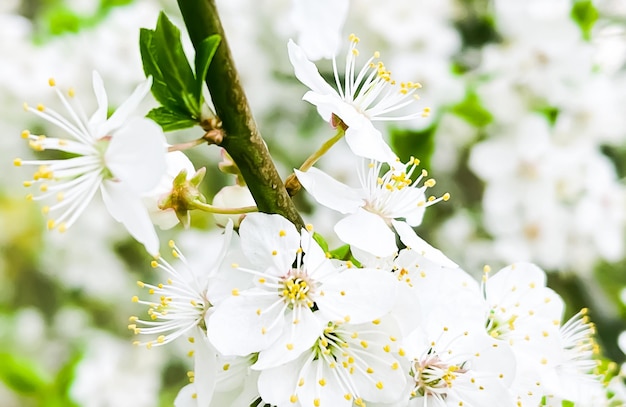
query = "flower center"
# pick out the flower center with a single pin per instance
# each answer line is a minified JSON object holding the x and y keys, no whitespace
{"x":297,"y":288}
{"x":499,"y":328}
{"x":433,"y":376}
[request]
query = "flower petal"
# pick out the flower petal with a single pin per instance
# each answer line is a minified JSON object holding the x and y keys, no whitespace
{"x":205,"y":368}
{"x":329,"y":192}
{"x":368,"y":232}
{"x":127,"y":208}
{"x":358,"y":295}
{"x":99,"y":117}
{"x":416,"y":243}
{"x":269,"y":240}
{"x":236,"y":328}
{"x":136,"y":155}
{"x":307,"y":72}
{"x":366,"y":141}
{"x":295,"y":339}
{"x":123,"y":112}
{"x":319,"y":31}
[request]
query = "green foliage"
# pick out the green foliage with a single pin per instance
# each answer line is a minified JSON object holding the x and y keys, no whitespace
{"x":585,"y":14}
{"x":414,"y":143}
{"x":174,"y":84}
{"x":53,"y":17}
{"x":26,"y":378}
{"x":321,"y":241}
{"x":472,"y":111}
{"x":21,"y":375}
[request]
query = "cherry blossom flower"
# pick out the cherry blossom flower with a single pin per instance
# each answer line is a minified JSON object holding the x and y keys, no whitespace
{"x":292,"y":286}
{"x":366,"y":96}
{"x":349,"y":364}
{"x":123,"y":157}
{"x":391,"y":200}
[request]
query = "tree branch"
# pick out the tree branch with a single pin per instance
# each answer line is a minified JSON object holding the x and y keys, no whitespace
{"x":243,"y":141}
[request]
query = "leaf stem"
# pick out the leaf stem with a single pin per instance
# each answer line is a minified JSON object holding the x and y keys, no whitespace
{"x":243,"y":141}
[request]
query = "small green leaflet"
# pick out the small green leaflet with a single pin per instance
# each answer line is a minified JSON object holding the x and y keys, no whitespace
{"x":174,"y":84}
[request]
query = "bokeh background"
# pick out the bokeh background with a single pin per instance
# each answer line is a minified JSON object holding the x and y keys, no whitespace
{"x":527,"y":132}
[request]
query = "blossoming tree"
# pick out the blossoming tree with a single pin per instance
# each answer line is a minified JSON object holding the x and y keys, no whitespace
{"x":277,"y":316}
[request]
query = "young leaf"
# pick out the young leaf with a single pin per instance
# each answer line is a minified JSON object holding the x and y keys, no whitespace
{"x":172,"y":61}
{"x":170,"y":120}
{"x":204,"y":55}
{"x":174,"y":84}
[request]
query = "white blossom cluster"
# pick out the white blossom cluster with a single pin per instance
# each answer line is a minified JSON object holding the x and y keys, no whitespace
{"x":276,"y":318}
{"x":556,"y":100}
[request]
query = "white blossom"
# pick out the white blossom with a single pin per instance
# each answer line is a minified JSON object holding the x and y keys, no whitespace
{"x":120,"y":156}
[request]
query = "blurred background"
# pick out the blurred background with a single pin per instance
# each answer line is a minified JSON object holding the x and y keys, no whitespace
{"x":527,"y":133}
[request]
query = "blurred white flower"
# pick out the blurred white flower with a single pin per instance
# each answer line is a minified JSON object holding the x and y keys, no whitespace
{"x":319,"y":24}
{"x":112,"y":374}
{"x":121,"y":156}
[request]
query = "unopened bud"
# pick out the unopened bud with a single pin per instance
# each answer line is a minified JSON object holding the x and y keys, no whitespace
{"x":233,"y":196}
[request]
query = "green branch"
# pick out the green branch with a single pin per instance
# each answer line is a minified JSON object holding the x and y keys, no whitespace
{"x":243,"y":141}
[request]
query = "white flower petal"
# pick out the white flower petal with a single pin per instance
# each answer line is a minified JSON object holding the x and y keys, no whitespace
{"x":278,"y":384}
{"x":295,"y":339}
{"x":307,"y":72}
{"x":329,"y":192}
{"x":205,"y":368}
{"x":331,"y":394}
{"x":235,"y":327}
{"x":186,"y":396}
{"x":358,"y":295}
{"x":99,"y":117}
{"x":366,"y":141}
{"x":136,"y":155}
{"x":368,"y":232}
{"x":319,"y":31}
{"x":269,"y":240}
{"x":123,"y":112}
{"x":176,"y":161}
{"x":416,"y":243}
{"x":127,"y":208}
{"x":317,"y":264}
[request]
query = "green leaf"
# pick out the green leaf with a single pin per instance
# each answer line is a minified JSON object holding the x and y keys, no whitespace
{"x":320,"y":241}
{"x":174,"y":84}
{"x":172,"y":60}
{"x":341,"y":253}
{"x":414,"y":143}
{"x":585,"y":15}
{"x":170,"y":120}
{"x":21,"y":375}
{"x":567,"y":403}
{"x":472,"y":111}
{"x":204,"y":56}
{"x":160,"y":90}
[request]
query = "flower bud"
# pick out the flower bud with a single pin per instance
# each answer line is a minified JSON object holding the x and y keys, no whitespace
{"x":169,"y":202}
{"x":233,"y":196}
